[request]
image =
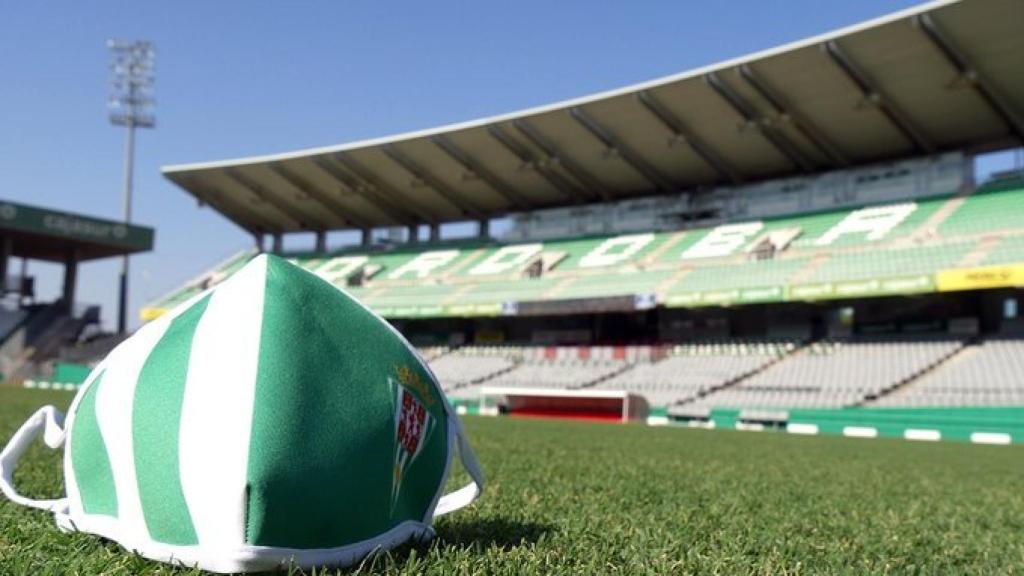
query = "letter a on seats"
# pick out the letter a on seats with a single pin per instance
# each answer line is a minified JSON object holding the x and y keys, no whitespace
{"x":876,"y":222}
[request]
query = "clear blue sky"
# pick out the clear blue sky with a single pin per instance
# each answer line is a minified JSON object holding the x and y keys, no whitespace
{"x":240,"y":78}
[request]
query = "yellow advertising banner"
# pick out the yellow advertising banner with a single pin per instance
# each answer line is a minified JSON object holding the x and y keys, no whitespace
{"x":979,"y":278}
{"x":149,"y":313}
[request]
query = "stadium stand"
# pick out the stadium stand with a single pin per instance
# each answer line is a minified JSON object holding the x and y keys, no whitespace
{"x":990,"y":373}
{"x":692,"y":370}
{"x":835,"y":373}
{"x":37,"y":337}
{"x":759,"y":377}
{"x":880,"y":249}
{"x":472,"y":365}
{"x":429,"y":353}
{"x":9,"y":320}
{"x":567,"y":367}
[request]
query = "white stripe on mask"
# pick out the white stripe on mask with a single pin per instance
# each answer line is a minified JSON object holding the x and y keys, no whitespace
{"x":115,"y":401}
{"x":216,"y":416}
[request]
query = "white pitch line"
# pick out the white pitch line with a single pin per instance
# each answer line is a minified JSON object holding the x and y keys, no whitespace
{"x":1000,"y":438}
{"x":807,"y":429}
{"x":926,"y":435}
{"x":860,"y":432}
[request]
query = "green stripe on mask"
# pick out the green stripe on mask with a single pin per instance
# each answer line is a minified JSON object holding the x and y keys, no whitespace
{"x":156,"y":422}
{"x":89,"y":459}
{"x":322,"y":452}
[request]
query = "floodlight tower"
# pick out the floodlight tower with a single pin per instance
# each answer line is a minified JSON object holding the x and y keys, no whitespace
{"x":131,"y":105}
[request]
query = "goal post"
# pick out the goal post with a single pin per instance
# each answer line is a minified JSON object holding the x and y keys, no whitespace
{"x":598,"y":405}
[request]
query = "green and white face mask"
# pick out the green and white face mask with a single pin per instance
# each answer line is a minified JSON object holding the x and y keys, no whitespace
{"x":271,"y":420}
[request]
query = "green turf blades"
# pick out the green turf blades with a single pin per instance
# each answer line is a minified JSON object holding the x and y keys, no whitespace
{"x":324,"y":456}
{"x":581,"y":498}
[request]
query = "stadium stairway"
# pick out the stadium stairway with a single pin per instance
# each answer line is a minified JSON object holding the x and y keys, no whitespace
{"x":929,"y":228}
{"x":20,"y":344}
{"x":664,"y":248}
{"x":441,"y":366}
{"x":682,"y":407}
{"x":807,"y":272}
{"x":93,"y":351}
{"x":665,"y":286}
{"x":957,"y":353}
{"x":484,"y":380}
{"x":627,"y":366}
{"x":31,"y":348}
{"x":980,"y":252}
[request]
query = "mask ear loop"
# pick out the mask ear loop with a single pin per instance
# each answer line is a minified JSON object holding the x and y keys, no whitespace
{"x":49,"y":421}
{"x":467,"y":494}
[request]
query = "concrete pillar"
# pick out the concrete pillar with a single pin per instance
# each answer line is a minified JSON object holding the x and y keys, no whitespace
{"x":321,"y":241}
{"x":413,"y":235}
{"x":6,"y":247}
{"x":278,"y":246}
{"x":24,"y":280}
{"x":367,"y":238}
{"x":485,"y":228}
{"x":260,"y":247}
{"x":70,"y":278}
{"x":435,"y":232}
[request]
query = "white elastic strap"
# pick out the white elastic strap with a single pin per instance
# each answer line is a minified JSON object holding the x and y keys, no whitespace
{"x":467,"y":494}
{"x":49,"y":421}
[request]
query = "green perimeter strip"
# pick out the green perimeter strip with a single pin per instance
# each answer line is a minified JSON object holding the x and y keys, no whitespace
{"x":469,"y":406}
{"x":90,"y":462}
{"x":993,"y":418}
{"x":950,"y":423}
{"x":725,"y":418}
{"x":156,"y":424}
{"x":947,"y":433}
{"x":70,"y":373}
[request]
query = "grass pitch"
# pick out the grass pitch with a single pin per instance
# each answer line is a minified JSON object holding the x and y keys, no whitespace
{"x":581,"y":498}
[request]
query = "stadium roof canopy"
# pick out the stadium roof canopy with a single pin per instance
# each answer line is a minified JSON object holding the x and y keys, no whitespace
{"x":42,"y":234}
{"x":940,"y":76}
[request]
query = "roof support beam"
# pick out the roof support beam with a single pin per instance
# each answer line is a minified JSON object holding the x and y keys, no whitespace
{"x":474,"y":166}
{"x":752,"y":117}
{"x":283,"y":207}
{"x":614,"y":143}
{"x":304,"y":187}
{"x":590,"y":183}
{"x":568,"y":189}
{"x":786,"y":109}
{"x":355,"y":178}
{"x":873,"y":94}
{"x":956,"y":57}
{"x":682,"y":132}
{"x":386,"y":190}
{"x":251,"y":222}
{"x":420,"y":173}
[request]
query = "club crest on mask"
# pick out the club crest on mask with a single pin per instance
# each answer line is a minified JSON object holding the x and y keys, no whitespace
{"x":413,"y":424}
